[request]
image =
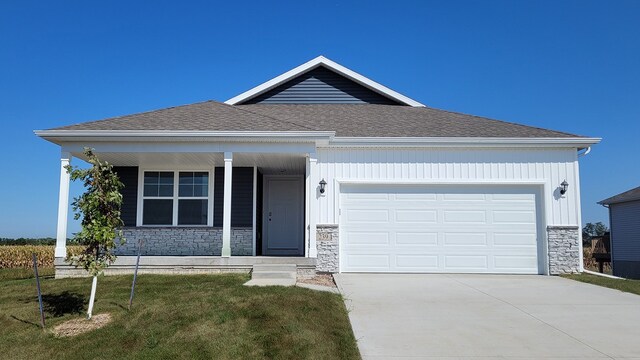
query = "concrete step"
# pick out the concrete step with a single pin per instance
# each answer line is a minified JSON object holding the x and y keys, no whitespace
{"x":270,"y":282}
{"x":274,"y":267}
{"x":273,"y":275}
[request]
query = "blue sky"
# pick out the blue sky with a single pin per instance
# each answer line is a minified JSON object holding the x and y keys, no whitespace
{"x":565,"y":65}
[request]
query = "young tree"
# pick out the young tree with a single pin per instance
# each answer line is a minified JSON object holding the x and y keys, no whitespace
{"x":99,"y":207}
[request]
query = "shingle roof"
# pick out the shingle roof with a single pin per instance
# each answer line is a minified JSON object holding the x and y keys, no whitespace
{"x":347,"y":120}
{"x":633,"y":194}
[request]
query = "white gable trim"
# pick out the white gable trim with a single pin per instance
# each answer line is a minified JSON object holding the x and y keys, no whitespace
{"x":312,"y":64}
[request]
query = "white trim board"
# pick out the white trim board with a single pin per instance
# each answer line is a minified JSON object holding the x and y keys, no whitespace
{"x":175,"y":197}
{"x":331,"y":65}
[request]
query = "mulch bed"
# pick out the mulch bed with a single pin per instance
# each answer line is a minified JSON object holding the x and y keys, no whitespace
{"x":79,"y":326}
{"x":319,"y":279}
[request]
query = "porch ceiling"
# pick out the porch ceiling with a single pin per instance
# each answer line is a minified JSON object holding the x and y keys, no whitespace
{"x":270,"y":163}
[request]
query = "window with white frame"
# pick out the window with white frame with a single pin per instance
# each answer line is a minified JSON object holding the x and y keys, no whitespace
{"x":175,"y":198}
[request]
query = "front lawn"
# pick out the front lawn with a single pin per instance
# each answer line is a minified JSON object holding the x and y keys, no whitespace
{"x":176,"y":317}
{"x":626,"y":285}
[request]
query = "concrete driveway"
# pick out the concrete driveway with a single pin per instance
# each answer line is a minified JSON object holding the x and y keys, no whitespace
{"x":408,"y":316}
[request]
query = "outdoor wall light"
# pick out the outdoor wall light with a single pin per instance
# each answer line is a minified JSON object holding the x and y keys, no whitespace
{"x":322,"y":185}
{"x":563,"y":187}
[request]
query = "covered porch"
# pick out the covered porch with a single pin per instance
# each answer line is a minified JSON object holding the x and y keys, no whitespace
{"x":207,"y":206}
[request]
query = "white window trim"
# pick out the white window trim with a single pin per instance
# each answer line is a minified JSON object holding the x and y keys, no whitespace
{"x":176,"y":198}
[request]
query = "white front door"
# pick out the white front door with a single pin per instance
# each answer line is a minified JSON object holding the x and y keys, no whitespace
{"x":438,"y":228}
{"x":283,"y":216}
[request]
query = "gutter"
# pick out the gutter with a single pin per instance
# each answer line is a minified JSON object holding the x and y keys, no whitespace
{"x":327,"y":138}
{"x":181,"y":135}
{"x":578,"y":142}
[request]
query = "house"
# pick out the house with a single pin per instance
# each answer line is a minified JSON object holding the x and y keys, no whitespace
{"x":326,"y":169}
{"x":624,"y":221}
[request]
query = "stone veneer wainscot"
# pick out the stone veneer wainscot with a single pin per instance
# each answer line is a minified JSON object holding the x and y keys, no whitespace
{"x":564,"y":249}
{"x":184,"y":241}
{"x":327,"y":237}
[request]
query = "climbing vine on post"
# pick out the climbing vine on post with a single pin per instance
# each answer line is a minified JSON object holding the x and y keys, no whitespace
{"x":99,"y":208}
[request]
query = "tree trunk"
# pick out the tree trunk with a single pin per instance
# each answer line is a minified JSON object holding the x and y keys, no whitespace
{"x":94,"y":285}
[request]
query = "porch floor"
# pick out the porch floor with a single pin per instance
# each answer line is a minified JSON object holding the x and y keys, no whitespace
{"x":189,"y":265}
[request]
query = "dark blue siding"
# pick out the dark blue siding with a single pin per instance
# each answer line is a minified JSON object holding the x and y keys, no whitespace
{"x":241,"y":197}
{"x":129,"y":177}
{"x":321,"y":86}
{"x":625,"y":238}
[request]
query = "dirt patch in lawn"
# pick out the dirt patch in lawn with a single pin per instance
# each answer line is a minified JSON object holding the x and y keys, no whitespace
{"x":319,"y":279}
{"x":79,"y":326}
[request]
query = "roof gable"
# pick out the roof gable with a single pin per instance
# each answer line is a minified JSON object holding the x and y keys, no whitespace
{"x":321,"y":86}
{"x":321,"y":81}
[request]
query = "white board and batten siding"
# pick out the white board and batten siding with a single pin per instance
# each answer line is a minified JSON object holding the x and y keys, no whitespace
{"x":512,"y":191}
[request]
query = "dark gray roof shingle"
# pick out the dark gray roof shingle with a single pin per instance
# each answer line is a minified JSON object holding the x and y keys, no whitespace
{"x":347,"y":120}
{"x":631,"y":195}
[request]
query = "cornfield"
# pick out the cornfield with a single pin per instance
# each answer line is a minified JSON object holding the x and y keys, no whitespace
{"x":19,"y":256}
{"x":590,"y":263}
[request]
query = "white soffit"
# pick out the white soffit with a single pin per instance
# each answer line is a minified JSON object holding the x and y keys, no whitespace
{"x":331,"y":65}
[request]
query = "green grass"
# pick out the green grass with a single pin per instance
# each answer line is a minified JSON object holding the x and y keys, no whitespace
{"x":626,"y":285}
{"x":176,"y":317}
{"x":16,"y":274}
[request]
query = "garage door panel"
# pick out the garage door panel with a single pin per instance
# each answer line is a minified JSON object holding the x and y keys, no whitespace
{"x":367,"y":216}
{"x":419,"y":216}
{"x":514,"y":263}
{"x":370,"y":262}
{"x":465,"y":216}
{"x":465,"y":239}
{"x":420,"y":262}
{"x":367,"y":238}
{"x":414,"y":197}
{"x":438,"y":229}
{"x":366,"y":196}
{"x":514,"y":217}
{"x":466,"y":262}
{"x":513,"y":197}
{"x":464,"y":197}
{"x":513,"y":239}
{"x":416,"y":238}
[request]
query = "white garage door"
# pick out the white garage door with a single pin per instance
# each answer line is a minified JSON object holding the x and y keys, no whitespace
{"x":457,"y":229}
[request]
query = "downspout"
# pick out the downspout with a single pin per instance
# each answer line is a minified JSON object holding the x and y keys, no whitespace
{"x":586,"y":151}
{"x":608,"y":206}
{"x":578,"y":207}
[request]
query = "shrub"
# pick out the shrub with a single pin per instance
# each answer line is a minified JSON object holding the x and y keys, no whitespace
{"x":19,"y":256}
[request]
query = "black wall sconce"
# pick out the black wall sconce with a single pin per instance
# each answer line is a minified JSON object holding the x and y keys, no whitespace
{"x":563,"y":187}
{"x":322,"y":185}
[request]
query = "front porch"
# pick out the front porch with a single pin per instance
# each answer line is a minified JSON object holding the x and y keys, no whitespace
{"x":195,"y":210}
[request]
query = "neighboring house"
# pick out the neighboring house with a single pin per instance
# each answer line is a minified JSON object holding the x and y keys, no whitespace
{"x":624,"y":222}
{"x":327,"y":169}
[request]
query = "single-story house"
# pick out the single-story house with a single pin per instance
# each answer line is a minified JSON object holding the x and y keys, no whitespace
{"x":332,"y":171}
{"x":624,"y":222}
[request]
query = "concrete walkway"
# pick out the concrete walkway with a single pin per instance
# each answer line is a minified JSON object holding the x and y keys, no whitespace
{"x":408,"y":316}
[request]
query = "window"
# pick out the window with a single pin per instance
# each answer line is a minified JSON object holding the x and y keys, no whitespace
{"x":193,"y":198}
{"x":175,"y":198}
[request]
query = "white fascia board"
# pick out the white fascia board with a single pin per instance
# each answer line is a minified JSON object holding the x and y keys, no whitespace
{"x":314,"y":63}
{"x":461,"y":141}
{"x":57,"y":136}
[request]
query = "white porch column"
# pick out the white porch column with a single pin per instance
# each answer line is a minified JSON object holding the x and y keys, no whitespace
{"x":311,"y":198}
{"x":226,"y":213}
{"x":63,"y":206}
